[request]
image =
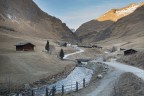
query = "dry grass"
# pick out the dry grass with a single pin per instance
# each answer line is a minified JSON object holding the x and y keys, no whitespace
{"x":135,"y":60}
{"x":27,"y":67}
{"x":129,"y":85}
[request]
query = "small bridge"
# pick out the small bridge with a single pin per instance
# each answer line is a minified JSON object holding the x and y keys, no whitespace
{"x":79,"y":62}
{"x":83,"y":60}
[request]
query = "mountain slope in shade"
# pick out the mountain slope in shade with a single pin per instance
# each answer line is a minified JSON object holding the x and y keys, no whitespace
{"x":92,"y":26}
{"x":127,"y":31}
{"x":90,"y":31}
{"x":25,"y":17}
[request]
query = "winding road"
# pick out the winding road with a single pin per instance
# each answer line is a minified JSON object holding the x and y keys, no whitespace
{"x":76,"y":48}
{"x":105,"y":86}
{"x":69,"y":82}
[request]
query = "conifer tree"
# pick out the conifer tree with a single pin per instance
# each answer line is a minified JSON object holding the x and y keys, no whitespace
{"x":47,"y":46}
{"x":61,"y":54}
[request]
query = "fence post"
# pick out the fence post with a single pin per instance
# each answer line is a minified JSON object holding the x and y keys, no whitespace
{"x":17,"y":94}
{"x":83,"y":82}
{"x":62,"y":89}
{"x":9,"y":84}
{"x":46,"y":91}
{"x":53,"y":91}
{"x":32,"y":93}
{"x":76,"y":86}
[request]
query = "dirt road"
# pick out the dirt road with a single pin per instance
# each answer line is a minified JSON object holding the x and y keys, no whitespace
{"x":104,"y":87}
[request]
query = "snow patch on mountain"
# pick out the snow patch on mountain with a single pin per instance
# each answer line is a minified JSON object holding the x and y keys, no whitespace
{"x":12,"y":18}
{"x":127,"y":10}
{"x":9,"y":16}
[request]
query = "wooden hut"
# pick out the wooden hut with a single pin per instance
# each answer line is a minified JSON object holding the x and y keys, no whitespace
{"x":96,"y":46}
{"x":25,"y":46}
{"x":62,"y":43}
{"x":122,"y":49}
{"x":129,"y":52}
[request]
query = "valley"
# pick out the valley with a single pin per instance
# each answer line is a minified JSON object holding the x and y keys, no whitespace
{"x":103,"y":57}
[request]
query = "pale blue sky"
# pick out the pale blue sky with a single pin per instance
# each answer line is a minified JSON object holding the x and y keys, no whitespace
{"x":76,"y":12}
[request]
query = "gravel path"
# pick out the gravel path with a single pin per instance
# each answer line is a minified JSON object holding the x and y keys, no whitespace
{"x":126,"y":68}
{"x":105,"y":86}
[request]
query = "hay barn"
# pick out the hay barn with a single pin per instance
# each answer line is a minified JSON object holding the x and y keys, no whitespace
{"x":25,"y":46}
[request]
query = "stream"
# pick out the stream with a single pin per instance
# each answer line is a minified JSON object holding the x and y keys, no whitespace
{"x":79,"y":73}
{"x":69,"y":83}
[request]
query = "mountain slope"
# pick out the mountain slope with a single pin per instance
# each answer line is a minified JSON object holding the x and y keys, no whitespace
{"x":94,"y":32}
{"x":25,"y":17}
{"x":128,"y":85}
{"x":116,"y":14}
{"x":128,"y":30}
{"x":22,"y":21}
{"x":92,"y":26}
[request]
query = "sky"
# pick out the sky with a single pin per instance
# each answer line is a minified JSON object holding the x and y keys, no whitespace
{"x":76,"y":12}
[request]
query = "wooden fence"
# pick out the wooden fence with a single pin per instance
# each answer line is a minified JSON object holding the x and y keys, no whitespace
{"x":63,"y":89}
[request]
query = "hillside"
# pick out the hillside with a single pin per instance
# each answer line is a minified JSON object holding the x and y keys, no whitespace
{"x":116,"y":14}
{"x":23,"y":21}
{"x":134,"y":60}
{"x":92,"y":27}
{"x":127,"y":31}
{"x":26,"y":18}
{"x":24,"y":67}
{"x":124,"y":22}
{"x":129,"y":85}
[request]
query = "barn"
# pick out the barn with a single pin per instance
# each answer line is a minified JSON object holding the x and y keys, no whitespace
{"x":129,"y":52}
{"x":25,"y":46}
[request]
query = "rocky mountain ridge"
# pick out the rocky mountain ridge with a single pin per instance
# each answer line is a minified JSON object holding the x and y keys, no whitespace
{"x":116,"y":14}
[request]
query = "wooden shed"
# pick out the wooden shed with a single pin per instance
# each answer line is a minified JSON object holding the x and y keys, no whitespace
{"x":129,"y":52}
{"x":122,"y":49}
{"x":96,"y":46}
{"x":25,"y":46}
{"x":62,"y":43}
